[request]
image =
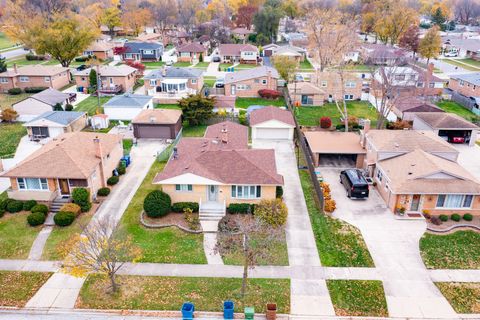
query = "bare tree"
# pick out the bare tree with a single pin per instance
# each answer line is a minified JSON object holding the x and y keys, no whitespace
{"x":466,"y":10}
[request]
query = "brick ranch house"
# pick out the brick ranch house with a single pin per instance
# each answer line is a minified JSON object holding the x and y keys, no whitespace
{"x":191,"y":52}
{"x":34,"y":76}
{"x":247,"y":83}
{"x":76,"y":159}
{"x":241,"y":53}
{"x":114,"y":79}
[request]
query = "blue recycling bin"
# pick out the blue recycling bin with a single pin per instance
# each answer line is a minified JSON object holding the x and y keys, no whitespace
{"x":228,"y":309}
{"x":187,"y":310}
{"x":127,"y":159}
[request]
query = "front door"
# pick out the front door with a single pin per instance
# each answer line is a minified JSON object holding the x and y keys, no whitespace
{"x":233,"y":90}
{"x":63,"y":185}
{"x":212,"y":193}
{"x":415,"y":205}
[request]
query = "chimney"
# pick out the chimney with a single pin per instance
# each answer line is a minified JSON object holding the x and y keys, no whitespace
{"x":15,"y":68}
{"x":99,"y":154}
{"x":430,"y":69}
{"x":224,"y":135}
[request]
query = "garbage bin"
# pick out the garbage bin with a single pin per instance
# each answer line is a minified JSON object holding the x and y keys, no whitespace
{"x":187,"y":310}
{"x":271,"y":311}
{"x":128,"y":159}
{"x":228,"y":309}
{"x":249,"y":312}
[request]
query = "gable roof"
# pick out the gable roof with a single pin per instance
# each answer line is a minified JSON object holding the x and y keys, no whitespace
{"x":49,"y":96}
{"x":175,"y":72}
{"x":70,"y":155}
{"x":63,"y":118}
{"x":137,"y":47}
{"x":304,"y":88}
{"x":100,"y":46}
{"x":334,"y":142}
{"x":158,"y":116}
{"x":234,"y":49}
{"x":287,"y":51}
{"x":253,"y":73}
{"x":242,"y":31}
{"x":192,"y":47}
{"x":473,"y":78}
{"x":109,"y":71}
{"x":128,"y":100}
{"x":236,"y":134}
{"x":35,"y":71}
{"x":414,"y":104}
{"x":271,"y":113}
{"x":445,"y":121}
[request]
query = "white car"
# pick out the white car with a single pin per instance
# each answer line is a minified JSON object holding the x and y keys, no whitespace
{"x":450,"y":54}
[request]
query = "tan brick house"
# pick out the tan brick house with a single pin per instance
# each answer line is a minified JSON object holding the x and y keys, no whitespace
{"x":466,"y":84}
{"x":247,"y":83}
{"x":241,"y":53}
{"x":114,"y":79}
{"x":330,"y":83}
{"x":306,"y":94}
{"x":34,"y":76}
{"x":102,"y":50}
{"x":191,"y":52}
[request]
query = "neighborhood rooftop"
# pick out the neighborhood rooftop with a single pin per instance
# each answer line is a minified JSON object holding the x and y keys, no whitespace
{"x":253,"y":73}
{"x":128,"y":100}
{"x":158,"y":116}
{"x":34,"y":70}
{"x":445,"y":120}
{"x":51,"y":96}
{"x":109,"y":71}
{"x":174,"y":72}
{"x":59,"y":117}
{"x":473,"y":78}
{"x":271,"y":113}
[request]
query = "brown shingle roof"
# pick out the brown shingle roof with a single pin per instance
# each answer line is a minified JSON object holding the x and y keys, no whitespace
{"x":37,"y":70}
{"x":304,"y":88}
{"x":70,"y":155}
{"x":271,"y":113}
{"x":233,"y":49}
{"x":334,"y":142}
{"x":236,"y":134}
{"x":192,"y":47}
{"x":158,"y":116}
{"x":445,"y":121}
{"x":254,"y":73}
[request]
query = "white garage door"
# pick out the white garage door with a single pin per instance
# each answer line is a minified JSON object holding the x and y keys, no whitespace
{"x":272,"y":133}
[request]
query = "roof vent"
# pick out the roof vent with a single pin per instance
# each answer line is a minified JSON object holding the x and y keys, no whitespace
{"x":153,"y":119}
{"x":397,"y":145}
{"x":215,"y":141}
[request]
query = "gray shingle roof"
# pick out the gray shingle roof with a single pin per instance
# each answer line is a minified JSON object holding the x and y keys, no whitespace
{"x":51,"y":96}
{"x":253,"y":73}
{"x":473,"y":78}
{"x":128,"y":101}
{"x":136,"y":47}
{"x":60,"y":117}
{"x":175,"y":72}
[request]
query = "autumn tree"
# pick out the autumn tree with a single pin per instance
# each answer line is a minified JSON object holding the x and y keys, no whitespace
{"x":136,"y":19}
{"x":286,"y":67}
{"x":244,"y":17}
{"x":186,"y":15}
{"x":410,"y":39}
{"x":431,"y":44}
{"x":111,"y":19}
{"x":291,"y":8}
{"x":467,"y":10}
{"x":95,"y":250}
{"x":392,"y":19}
{"x":93,"y":13}
{"x":8,"y":115}
{"x":196,"y":109}
{"x":164,"y":13}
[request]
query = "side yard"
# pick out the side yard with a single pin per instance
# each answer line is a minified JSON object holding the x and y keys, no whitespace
{"x":244,"y":103}
{"x":453,"y":107}
{"x":6,"y":100}
{"x":90,"y":104}
{"x":10,"y":135}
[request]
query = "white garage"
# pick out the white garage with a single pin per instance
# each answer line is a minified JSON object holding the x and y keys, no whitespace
{"x":127,"y":106}
{"x":272,"y":123}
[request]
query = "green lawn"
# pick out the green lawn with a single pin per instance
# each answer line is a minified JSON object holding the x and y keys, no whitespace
{"x":127,"y":145}
{"x":168,"y":293}
{"x":90,"y":104}
{"x":182,"y":64}
{"x":10,"y":135}
{"x":5,"y":42}
{"x":167,"y":106}
{"x":22,"y":61}
{"x":16,"y":236}
{"x":244,"y":103}
{"x":310,"y":116}
{"x":202,"y":65}
{"x":339,"y":244}
{"x":461,"y":65}
{"x":239,"y":67}
{"x":361,"y":298}
{"x":305,"y":66}
{"x":194,"y":131}
{"x":166,"y":245}
{"x":153,"y":64}
{"x":6,"y":100}
{"x":471,"y":61}
{"x":19,"y":286}
{"x":464,"y":297}
{"x":224,"y":66}
{"x":458,"y":250}
{"x":458,"y":109}
{"x":209,"y":81}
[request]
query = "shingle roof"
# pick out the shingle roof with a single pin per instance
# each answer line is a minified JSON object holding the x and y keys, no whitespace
{"x":410,"y":103}
{"x":271,"y":113}
{"x":70,"y":155}
{"x":128,"y":100}
{"x":253,"y":73}
{"x":61,"y":117}
{"x":233,"y":49}
{"x":50,"y":96}
{"x":334,"y":142}
{"x":236,"y":134}
{"x":158,"y":116}
{"x":109,"y":71}
{"x":445,"y":121}
{"x":35,"y":70}
{"x":242,"y":31}
{"x":136,"y":47}
{"x":99,"y":46}
{"x":304,"y":88}
{"x":175,"y":72}
{"x":473,"y":78}
{"x":192,"y":47}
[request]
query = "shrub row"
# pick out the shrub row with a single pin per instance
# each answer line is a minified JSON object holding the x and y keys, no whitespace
{"x":16,"y":91}
{"x":456,"y":217}
{"x":269,"y":94}
{"x":34,"y":57}
{"x":241,"y":208}
{"x":181,"y":206}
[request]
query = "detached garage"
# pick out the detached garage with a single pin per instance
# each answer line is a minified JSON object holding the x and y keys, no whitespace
{"x":157,"y":124}
{"x":127,"y":106}
{"x":272,"y":123}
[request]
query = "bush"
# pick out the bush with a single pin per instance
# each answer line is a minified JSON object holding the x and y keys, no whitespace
{"x":228,"y":224}
{"x":113,"y":180}
{"x":68,"y":107}
{"x":33,"y":57}
{"x":81,"y":196}
{"x":63,"y":219}
{"x":157,"y":204}
{"x":269,"y":94}
{"x":340,"y":127}
{"x":2,"y":212}
{"x":436,"y":221}
{"x":28,"y":205}
{"x":14,"y":91}
{"x":278,"y":192}
{"x":241,"y":208}
{"x":3,"y":204}
{"x":81,"y":59}
{"x":103,"y":192}
{"x":181,"y":206}
{"x":325,"y":122}
{"x":121,"y":169}
{"x":330,"y":205}
{"x":36,"y":218}
{"x":443,"y":217}
{"x":35,"y":89}
{"x":272,"y":212}
{"x":40,"y":208}
{"x":467,"y":217}
{"x":192,"y":219}
{"x":325,"y":187}
{"x":455,"y":217}
{"x":71,"y":207}
{"x":14,"y":206}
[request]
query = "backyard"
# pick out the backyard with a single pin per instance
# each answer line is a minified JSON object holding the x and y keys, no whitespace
{"x":194,"y":131}
{"x":458,"y":109}
{"x":209,"y":81}
{"x":90,"y":105}
{"x":244,"y":103}
{"x":6,"y":100}
{"x":10,"y":135}
{"x":18,"y":287}
{"x":17,"y":236}
{"x":305,"y":66}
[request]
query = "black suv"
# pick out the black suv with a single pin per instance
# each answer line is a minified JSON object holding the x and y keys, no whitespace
{"x":354,"y":183}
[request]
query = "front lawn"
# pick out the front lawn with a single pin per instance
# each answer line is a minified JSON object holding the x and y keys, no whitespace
{"x":194,"y":131}
{"x":209,"y":81}
{"x":305,"y":65}
{"x":153,"y":64}
{"x":166,"y":245}
{"x":244,"y":103}
{"x":461,"y":65}
{"x":463,"y":297}
{"x":10,"y":135}
{"x":182,"y":64}
{"x":22,"y":61}
{"x":361,"y":298}
{"x":5,"y":42}
{"x":6,"y":100}
{"x":458,"y":109}
{"x":458,"y":250}
{"x":167,"y":106}
{"x":90,"y":105}
{"x":16,"y":236}
{"x":17,"y":287}
{"x":310,"y":116}
{"x":168,"y":293}
{"x":339,"y":244}
{"x":244,"y":66}
{"x":202,"y":65}
{"x":471,"y":61}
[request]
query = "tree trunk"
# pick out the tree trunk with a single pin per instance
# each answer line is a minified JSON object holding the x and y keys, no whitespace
{"x":345,"y":112}
{"x":245,"y":266}
{"x":113,"y":283}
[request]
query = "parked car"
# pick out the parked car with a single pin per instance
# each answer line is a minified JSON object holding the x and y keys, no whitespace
{"x":354,"y":183}
{"x":169,"y":63}
{"x":82,"y":67}
{"x":216,"y":59}
{"x":220,"y":83}
{"x":450,"y":54}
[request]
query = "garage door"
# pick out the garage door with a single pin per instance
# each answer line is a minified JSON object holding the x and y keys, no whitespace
{"x":153,"y":132}
{"x":272,"y":133}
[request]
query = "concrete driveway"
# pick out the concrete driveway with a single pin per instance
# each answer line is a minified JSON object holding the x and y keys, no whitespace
{"x":394,"y":246}
{"x":468,"y":158}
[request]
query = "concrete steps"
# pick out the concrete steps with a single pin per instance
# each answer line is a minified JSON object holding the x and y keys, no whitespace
{"x":57,"y":204}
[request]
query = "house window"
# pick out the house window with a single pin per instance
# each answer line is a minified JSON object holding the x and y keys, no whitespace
{"x":379,"y":175}
{"x":148,"y":51}
{"x":24,"y":79}
{"x":47,"y":79}
{"x":432,"y":85}
{"x":246,"y":192}
{"x":400,"y":77}
{"x":413,"y":77}
{"x":32,"y":184}
{"x":454,"y":201}
{"x":256,"y":81}
{"x":420,"y":84}
{"x":461,"y":83}
{"x":348,"y":97}
{"x":194,"y":81}
{"x":183,"y":187}
{"x":243,"y":87}
{"x":78,"y":182}
{"x":153,"y":83}
{"x":350,"y":84}
{"x":4,"y":80}
{"x":324,"y":84}
{"x":83,"y":78}
{"x":264,"y":81}
{"x":128,"y":56}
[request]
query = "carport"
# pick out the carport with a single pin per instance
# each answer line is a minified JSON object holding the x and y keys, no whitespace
{"x":335,"y":149}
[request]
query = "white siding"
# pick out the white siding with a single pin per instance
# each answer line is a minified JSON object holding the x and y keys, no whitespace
{"x":30,"y":108}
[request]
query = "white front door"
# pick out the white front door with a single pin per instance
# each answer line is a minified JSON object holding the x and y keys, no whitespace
{"x":212,"y":193}
{"x":233,"y":90}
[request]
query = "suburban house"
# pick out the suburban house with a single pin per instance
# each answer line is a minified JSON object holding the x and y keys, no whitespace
{"x":330,"y":83}
{"x":247,"y":83}
{"x":157,"y":124}
{"x":142,"y":51}
{"x":238,"y":53}
{"x":34,"y":76}
{"x":448,"y":126}
{"x":463,"y":48}
{"x":42,"y":102}
{"x":306,"y":94}
{"x":54,"y":123}
{"x":382,"y":54}
{"x":219,"y":169}
{"x":114,"y":79}
{"x":127,"y":106}
{"x":102,"y":50}
{"x":405,"y":107}
{"x":169,"y":84}
{"x":271,"y":123}
{"x":465,"y":90}
{"x":296,"y":53}
{"x":242,"y":33}
{"x":191,"y":52}
{"x":75,"y":159}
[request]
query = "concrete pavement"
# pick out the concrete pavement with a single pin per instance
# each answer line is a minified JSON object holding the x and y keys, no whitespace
{"x":37,"y":247}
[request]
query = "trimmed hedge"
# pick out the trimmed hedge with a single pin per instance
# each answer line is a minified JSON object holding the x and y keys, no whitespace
{"x":467,"y":217}
{"x":14,"y":206}
{"x":40,"y":208}
{"x":455,"y":217}
{"x":81,"y":196}
{"x":14,"y":91}
{"x":241,"y":208}
{"x":121,"y":169}
{"x":36,"y":218}
{"x":35,"y":89}
{"x":63,"y":219}
{"x":180,"y":206}
{"x":443,"y":217}
{"x":34,"y":57}
{"x":157,"y":204}
{"x":71,"y":207}
{"x":278,"y":192}
{"x":103,"y":192}
{"x":28,"y":205}
{"x":113,"y":180}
